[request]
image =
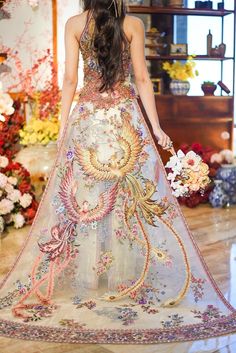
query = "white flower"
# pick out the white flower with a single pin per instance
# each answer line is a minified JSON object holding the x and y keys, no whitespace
{"x":171,"y":176}
{"x":175,"y":162}
{"x":227,"y":155}
{"x":9,"y":188}
{"x":12,"y":180}
{"x":3,"y":162}
{"x":18,"y":220}
{"x":225,"y":135}
{"x":25,"y":200}
{"x":3,"y":180}
{"x":192,"y":161}
{"x":14,"y":196}
{"x":6,"y":105}
{"x":6,"y":206}
{"x":216,"y":157}
{"x":2,"y":224}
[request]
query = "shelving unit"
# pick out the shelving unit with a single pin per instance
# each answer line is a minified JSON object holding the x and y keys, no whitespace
{"x":192,"y":118}
{"x":184,"y":57}
{"x":177,"y":11}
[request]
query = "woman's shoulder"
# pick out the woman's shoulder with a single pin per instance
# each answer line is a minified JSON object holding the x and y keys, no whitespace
{"x":133,"y":23}
{"x":76,"y":23}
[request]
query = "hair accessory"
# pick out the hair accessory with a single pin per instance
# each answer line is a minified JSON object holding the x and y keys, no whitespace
{"x":117,"y":6}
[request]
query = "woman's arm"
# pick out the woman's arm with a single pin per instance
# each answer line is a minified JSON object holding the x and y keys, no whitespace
{"x":142,"y":79}
{"x":71,"y":71}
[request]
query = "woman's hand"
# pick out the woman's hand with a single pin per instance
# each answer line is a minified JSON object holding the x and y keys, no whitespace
{"x":163,"y":140}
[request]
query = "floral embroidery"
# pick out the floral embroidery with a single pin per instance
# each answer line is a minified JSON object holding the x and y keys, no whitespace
{"x":209,"y":314}
{"x":197,"y":286}
{"x":126,"y":315}
{"x":72,"y":324}
{"x":89,"y":304}
{"x":105,"y":262}
{"x":37,"y":312}
{"x":175,"y":321}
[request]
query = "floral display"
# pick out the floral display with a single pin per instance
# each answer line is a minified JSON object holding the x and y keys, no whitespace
{"x":17,"y":202}
{"x":206,"y":153}
{"x":9,"y":131}
{"x":40,"y":131}
{"x":6,"y":104}
{"x":44,"y":104}
{"x":181,"y":71}
{"x":43,"y":126}
{"x":188,"y":173}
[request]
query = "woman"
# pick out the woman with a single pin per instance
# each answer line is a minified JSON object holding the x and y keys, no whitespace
{"x":109,"y":258}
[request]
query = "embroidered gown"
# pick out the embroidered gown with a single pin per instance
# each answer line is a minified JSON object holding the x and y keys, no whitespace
{"x":109,"y":258}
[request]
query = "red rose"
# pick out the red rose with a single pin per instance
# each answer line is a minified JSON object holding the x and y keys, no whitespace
{"x":197,"y":148}
{"x":29,"y":213}
{"x":24,"y":186}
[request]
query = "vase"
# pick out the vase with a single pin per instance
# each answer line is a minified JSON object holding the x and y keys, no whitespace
{"x":208,"y":90}
{"x":179,"y":88}
{"x":38,"y":159}
{"x":218,"y":197}
{"x":227,"y":174}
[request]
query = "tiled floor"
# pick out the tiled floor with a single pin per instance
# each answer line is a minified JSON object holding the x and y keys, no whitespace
{"x":215,"y":233}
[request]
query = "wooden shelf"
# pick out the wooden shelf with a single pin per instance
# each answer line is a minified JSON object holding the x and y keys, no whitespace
{"x":178,"y":11}
{"x":185,"y":57}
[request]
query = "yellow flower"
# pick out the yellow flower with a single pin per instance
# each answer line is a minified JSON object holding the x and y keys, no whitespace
{"x":179,"y":71}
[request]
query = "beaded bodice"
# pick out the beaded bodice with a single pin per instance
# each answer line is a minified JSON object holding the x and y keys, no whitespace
{"x":92,"y":81}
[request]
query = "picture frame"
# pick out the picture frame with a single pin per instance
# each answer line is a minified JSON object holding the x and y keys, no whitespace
{"x":157,"y":85}
{"x":179,"y":49}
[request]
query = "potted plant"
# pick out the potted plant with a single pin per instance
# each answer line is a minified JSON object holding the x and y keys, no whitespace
{"x":180,"y":73}
{"x":208,"y":88}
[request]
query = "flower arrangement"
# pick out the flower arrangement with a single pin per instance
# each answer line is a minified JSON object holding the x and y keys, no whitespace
{"x":6,"y":104}
{"x":17,"y":201}
{"x":206,"y":153}
{"x":9,"y":131}
{"x":223,"y":157}
{"x":188,"y":173}
{"x":181,"y":71}
{"x":43,"y":125}
{"x":39,"y":131}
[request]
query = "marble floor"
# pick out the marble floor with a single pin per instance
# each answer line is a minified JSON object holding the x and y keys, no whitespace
{"x":215,"y":233}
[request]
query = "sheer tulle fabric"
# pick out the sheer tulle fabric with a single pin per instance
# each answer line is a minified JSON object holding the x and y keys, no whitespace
{"x":109,"y":258}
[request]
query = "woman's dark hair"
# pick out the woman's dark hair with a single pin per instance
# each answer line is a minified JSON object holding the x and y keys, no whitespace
{"x":109,"y":38}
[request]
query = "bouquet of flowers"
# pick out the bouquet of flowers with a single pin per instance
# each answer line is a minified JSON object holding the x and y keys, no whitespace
{"x":187,"y":173}
{"x":181,"y":71}
{"x":17,"y":201}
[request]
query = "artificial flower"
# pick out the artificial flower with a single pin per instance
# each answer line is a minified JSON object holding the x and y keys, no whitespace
{"x":191,"y":161}
{"x":6,"y":104}
{"x":18,"y":220}
{"x":3,"y":162}
{"x":216,"y":157}
{"x":227,"y":156}
{"x":25,"y":200}
{"x":3,"y":180}
{"x":6,"y":206}
{"x":181,"y":71}
{"x":12,"y":180}
{"x":14,"y":196}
